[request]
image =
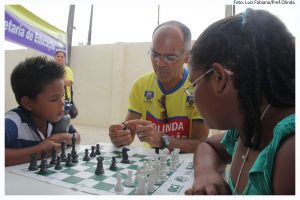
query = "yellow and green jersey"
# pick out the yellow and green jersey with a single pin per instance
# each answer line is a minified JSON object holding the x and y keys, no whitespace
{"x":144,"y":98}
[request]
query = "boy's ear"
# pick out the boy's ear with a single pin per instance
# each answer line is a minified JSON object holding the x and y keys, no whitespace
{"x":27,"y":103}
{"x":221,"y":78}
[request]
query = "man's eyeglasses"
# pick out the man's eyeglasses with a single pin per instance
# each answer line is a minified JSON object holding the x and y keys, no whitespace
{"x":190,"y":89}
{"x":167,"y":58}
{"x":164,"y":113}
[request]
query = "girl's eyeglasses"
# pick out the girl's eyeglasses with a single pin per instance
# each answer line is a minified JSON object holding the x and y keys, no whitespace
{"x":164,"y":113}
{"x":190,"y":89}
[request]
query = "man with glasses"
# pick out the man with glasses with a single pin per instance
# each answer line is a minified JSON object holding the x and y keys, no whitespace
{"x":160,"y":113}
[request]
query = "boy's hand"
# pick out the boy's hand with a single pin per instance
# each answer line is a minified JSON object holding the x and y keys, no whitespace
{"x":48,"y":144}
{"x":209,"y":184}
{"x":59,"y":137}
{"x":120,"y":135}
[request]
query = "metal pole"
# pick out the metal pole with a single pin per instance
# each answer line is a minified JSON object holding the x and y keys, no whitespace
{"x":70,"y":32}
{"x":90,"y":27}
{"x":158,"y":10}
{"x":229,"y":10}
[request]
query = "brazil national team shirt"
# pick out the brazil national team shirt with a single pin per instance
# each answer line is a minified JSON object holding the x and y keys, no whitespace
{"x":144,"y":99}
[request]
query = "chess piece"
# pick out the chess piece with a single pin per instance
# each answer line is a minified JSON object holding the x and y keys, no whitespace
{"x":33,"y":163}
{"x":53,"y":156}
{"x":98,"y":149}
{"x":75,"y":157}
{"x":141,"y":186}
{"x":43,"y":157}
{"x":63,"y":156}
{"x":152,"y":179}
{"x":43,"y":167}
{"x":99,"y":169}
{"x":69,"y":161}
{"x":73,"y":151}
{"x":86,"y":155}
{"x":63,"y":125}
{"x":93,"y":154}
{"x":125,"y":156}
{"x":113,"y":165}
{"x":119,"y":187}
{"x":58,"y":165}
{"x":129,"y":181}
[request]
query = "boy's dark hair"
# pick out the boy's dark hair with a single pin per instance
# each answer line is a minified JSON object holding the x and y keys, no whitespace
{"x":184,"y":29}
{"x":29,"y":78}
{"x":260,"y":51}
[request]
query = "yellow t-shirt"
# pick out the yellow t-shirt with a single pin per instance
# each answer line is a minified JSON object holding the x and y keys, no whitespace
{"x":143,"y":99}
{"x":69,"y":76}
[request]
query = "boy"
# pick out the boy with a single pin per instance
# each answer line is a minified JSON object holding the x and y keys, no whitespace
{"x":38,"y":85}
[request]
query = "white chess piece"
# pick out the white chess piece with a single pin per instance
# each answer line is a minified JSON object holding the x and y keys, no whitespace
{"x":152,"y":179}
{"x":141,"y":186}
{"x":119,"y":187}
{"x":129,"y":181}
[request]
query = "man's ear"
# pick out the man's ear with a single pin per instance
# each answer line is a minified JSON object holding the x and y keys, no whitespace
{"x":220,"y":76}
{"x":27,"y":103}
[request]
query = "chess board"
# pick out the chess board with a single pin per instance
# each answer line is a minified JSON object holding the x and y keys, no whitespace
{"x":81,"y":177}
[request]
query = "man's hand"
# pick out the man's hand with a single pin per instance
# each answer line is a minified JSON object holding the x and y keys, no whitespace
{"x":120,"y":135}
{"x":145,"y":131}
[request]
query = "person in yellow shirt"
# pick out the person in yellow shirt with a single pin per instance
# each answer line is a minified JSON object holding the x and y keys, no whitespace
{"x":60,"y":58}
{"x":159,"y":112}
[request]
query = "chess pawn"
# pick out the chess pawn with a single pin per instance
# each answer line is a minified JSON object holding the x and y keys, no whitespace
{"x":129,"y":181}
{"x":58,"y":165}
{"x":86,"y":155}
{"x":93,"y":154}
{"x":119,"y":187}
{"x":43,"y":167}
{"x":69,"y":161}
{"x":113,"y":165}
{"x":98,"y":149}
{"x":62,"y":126}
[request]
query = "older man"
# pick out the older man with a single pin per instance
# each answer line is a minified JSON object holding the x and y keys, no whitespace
{"x":159,"y":112}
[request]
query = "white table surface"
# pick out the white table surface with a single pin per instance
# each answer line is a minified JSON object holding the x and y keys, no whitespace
{"x":21,"y":185}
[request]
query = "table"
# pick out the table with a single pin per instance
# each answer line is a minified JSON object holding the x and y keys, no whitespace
{"x":16,"y":184}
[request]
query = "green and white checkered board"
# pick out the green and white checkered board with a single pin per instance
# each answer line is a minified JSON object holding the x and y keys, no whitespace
{"x":82,"y":176}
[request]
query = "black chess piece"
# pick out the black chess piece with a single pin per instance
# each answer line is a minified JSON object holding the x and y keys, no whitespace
{"x":99,"y":170}
{"x":75,"y":157}
{"x":98,"y":149}
{"x":43,"y":167}
{"x":125,"y":156}
{"x":69,"y":161}
{"x":43,"y":157}
{"x":33,"y":166}
{"x":53,"y":156}
{"x":73,"y":151}
{"x":86,"y":155}
{"x":113,"y":165}
{"x":93,"y":154}
{"x":58,"y":165}
{"x":157,"y":150}
{"x":63,"y":156}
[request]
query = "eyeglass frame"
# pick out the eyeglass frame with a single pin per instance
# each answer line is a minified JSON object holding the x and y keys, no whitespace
{"x":165,"y":56}
{"x":193,"y":84}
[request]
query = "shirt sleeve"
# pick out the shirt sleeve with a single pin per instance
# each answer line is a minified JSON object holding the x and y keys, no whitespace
{"x":11,"y":133}
{"x":135,"y":98}
{"x":69,"y":74}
